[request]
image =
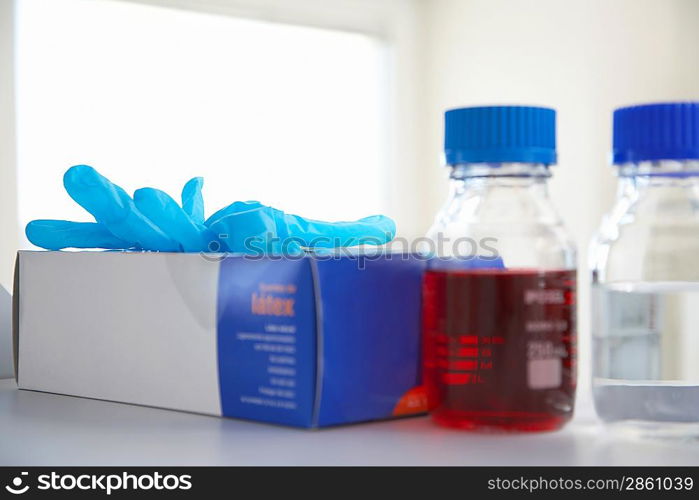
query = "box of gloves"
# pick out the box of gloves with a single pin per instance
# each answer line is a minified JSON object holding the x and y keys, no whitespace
{"x":307,"y":341}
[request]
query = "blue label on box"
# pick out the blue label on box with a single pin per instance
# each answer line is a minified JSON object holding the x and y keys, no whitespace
{"x":267,"y":340}
{"x":370,"y":329}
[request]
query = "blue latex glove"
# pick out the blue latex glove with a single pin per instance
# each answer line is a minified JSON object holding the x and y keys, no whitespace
{"x":251,"y":227}
{"x":152,"y":220}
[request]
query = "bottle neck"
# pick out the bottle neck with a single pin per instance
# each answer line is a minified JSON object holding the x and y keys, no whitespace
{"x":663,"y":179}
{"x":467,"y":171}
{"x":472,"y":177}
{"x":512,"y":193}
{"x":662,"y":170}
{"x":664,"y":192}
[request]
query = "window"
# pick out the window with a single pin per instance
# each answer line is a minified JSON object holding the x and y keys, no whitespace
{"x":292,"y":116}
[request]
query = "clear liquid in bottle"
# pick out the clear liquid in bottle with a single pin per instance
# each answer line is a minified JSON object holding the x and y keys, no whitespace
{"x":646,"y":355}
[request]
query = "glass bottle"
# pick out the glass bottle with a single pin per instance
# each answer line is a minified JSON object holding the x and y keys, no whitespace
{"x":645,"y":275}
{"x":499,"y":329}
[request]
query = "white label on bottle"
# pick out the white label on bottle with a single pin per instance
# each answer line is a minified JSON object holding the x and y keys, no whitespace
{"x":544,"y":373}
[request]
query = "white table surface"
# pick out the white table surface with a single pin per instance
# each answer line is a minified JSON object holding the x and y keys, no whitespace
{"x":47,"y":429}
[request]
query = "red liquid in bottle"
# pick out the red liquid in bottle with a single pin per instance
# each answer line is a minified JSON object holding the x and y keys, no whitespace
{"x":499,"y":348}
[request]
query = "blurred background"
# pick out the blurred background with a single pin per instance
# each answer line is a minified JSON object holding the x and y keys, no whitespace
{"x":327,"y":108}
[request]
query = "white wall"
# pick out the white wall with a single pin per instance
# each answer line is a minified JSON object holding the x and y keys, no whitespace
{"x":582,"y":57}
{"x":8,"y":179}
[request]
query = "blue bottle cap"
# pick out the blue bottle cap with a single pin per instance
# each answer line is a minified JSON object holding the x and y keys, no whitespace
{"x":662,"y":131}
{"x":500,"y":134}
